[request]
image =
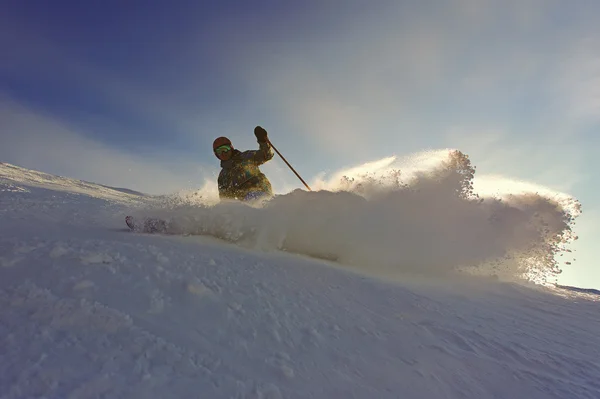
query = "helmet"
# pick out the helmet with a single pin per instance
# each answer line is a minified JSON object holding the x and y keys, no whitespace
{"x":219,"y":141}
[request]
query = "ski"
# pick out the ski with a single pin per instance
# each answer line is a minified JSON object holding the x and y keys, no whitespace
{"x":148,"y":225}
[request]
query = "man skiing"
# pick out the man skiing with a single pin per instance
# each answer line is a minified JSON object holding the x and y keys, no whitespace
{"x":240,"y":177}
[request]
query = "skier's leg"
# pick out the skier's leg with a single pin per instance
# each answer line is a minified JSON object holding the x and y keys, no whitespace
{"x":256,"y":196}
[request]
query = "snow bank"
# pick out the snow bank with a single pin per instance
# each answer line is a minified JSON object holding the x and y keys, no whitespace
{"x":425,"y":217}
{"x":90,"y":310}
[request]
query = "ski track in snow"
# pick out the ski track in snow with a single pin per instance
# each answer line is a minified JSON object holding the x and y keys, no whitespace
{"x":90,"y":310}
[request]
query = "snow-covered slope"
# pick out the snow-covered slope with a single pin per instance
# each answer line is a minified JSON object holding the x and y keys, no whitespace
{"x":89,"y":309}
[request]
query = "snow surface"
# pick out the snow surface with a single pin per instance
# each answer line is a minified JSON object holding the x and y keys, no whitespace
{"x":242,"y":304}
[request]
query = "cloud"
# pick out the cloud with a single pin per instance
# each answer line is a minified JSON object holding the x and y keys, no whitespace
{"x":170,"y":101}
{"x":37,"y":141}
{"x":579,"y":84}
{"x":338,"y":89}
{"x":585,"y":271}
{"x":397,"y":69}
{"x":549,"y":157}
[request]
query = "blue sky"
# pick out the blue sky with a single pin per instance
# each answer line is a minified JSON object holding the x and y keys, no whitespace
{"x":133,"y":93}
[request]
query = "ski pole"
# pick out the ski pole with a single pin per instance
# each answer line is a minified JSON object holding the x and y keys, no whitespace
{"x":288,"y":164}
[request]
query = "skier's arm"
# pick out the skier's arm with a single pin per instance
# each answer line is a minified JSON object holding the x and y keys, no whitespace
{"x":264,"y":152}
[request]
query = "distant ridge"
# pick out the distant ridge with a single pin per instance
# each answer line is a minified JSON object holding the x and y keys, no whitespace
{"x":123,"y":190}
{"x":577,"y":289}
{"x":32,"y":176}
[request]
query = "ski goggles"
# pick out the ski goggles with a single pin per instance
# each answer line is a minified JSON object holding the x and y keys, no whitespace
{"x":222,"y":149}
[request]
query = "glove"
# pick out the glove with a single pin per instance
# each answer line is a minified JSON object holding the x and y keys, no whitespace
{"x":261,"y":134}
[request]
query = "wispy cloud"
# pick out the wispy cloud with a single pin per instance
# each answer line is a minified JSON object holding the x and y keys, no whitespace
{"x":392,"y":74}
{"x":173,"y":104}
{"x":549,"y":158}
{"x":37,"y":141}
{"x":579,"y":84}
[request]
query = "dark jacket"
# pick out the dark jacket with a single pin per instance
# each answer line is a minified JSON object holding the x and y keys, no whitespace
{"x":240,"y":174}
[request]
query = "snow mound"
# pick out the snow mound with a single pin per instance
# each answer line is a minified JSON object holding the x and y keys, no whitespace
{"x":90,"y":310}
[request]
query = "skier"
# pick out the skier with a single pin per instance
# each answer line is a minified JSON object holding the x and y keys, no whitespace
{"x":240,"y":177}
